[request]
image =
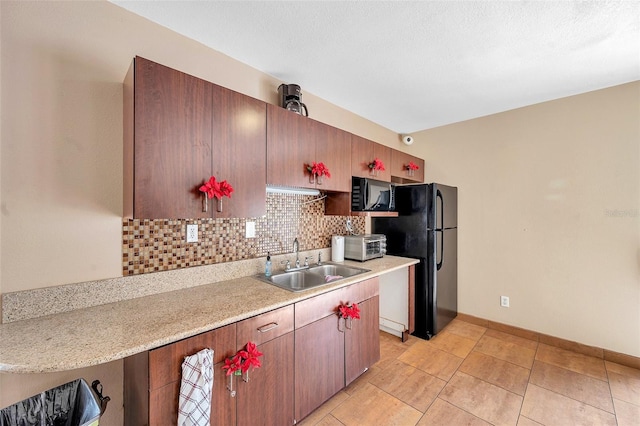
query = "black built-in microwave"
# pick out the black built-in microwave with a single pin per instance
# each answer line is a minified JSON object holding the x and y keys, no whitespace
{"x":368,"y":195}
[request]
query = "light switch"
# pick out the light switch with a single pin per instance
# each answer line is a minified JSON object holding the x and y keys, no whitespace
{"x":250,"y":230}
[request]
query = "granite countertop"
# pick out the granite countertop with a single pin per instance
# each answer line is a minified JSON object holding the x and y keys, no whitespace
{"x":104,"y":333}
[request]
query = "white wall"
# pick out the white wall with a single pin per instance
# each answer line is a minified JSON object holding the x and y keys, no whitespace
{"x":549,"y":214}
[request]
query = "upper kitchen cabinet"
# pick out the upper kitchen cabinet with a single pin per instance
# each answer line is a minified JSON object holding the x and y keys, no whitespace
{"x":239,"y":153}
{"x":401,"y":171}
{"x":290,"y":146}
{"x":364,"y":152}
{"x":333,"y":148}
{"x":294,"y":141}
{"x":178,"y":131}
{"x":167,"y":142}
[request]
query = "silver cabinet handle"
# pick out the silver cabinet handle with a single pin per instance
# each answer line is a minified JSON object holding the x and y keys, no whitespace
{"x":205,"y":203}
{"x":268,"y":327}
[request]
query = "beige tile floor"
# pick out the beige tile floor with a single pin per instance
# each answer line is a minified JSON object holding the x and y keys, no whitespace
{"x":471,"y":375}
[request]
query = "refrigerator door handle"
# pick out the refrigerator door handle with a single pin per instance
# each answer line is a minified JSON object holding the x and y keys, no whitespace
{"x":440,"y":233}
{"x":440,"y":230}
{"x":441,"y":212}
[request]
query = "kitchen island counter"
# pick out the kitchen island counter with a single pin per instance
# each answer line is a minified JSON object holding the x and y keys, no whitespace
{"x":100,"y":334}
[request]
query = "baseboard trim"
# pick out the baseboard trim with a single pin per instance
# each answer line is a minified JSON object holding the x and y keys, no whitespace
{"x":605,"y":354}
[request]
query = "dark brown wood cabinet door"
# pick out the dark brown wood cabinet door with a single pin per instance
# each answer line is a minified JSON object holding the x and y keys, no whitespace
{"x":223,"y":405}
{"x":165,"y":363}
{"x":267,"y":398}
{"x":383,"y":152}
{"x":333,"y":148}
{"x":362,"y":341}
{"x":240,"y":152}
{"x":172,"y":152}
{"x":399,"y":162}
{"x":163,"y":402}
{"x":363,"y":152}
{"x":290,"y":145}
{"x":319,"y":364}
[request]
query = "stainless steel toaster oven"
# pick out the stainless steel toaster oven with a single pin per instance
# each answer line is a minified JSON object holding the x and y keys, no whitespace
{"x":364,"y":247}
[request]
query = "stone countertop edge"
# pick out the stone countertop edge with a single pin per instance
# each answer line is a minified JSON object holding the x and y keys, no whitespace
{"x":104,"y":333}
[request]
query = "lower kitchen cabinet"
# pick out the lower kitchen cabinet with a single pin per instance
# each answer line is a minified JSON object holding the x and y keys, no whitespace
{"x":301,"y":366}
{"x":362,"y":340}
{"x":332,"y":352}
{"x":267,"y":398}
{"x":152,"y":378}
{"x":319,"y":361}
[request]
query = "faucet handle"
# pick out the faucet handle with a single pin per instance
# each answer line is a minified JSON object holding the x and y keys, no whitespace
{"x":306,"y":261}
{"x":319,"y":258}
{"x":287,"y":266}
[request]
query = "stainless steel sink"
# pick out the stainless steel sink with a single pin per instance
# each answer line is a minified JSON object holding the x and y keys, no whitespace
{"x":315,"y":276}
{"x":333,"y":269}
{"x":296,"y":281}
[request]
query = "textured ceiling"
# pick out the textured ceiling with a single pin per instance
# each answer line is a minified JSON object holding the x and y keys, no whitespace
{"x":413,"y":65}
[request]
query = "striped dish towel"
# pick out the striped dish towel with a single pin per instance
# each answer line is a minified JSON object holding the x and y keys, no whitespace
{"x":194,"y":406}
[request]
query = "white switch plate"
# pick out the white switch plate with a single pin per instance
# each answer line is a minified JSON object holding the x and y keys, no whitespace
{"x":504,"y":301}
{"x":250,"y":230}
{"x":192,"y":233}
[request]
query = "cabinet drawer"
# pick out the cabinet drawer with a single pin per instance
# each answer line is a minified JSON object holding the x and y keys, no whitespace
{"x":265,"y":327}
{"x":165,"y":363}
{"x":321,"y":306}
{"x":363,"y":290}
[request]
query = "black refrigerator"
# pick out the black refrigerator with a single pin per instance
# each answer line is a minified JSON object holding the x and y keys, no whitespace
{"x":427,"y":229}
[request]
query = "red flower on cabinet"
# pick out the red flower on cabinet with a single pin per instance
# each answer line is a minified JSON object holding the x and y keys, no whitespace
{"x":377,"y":164}
{"x":251,"y":357}
{"x":226,"y":188}
{"x":349,"y":311}
{"x":318,"y":169}
{"x":412,"y":166}
{"x":232,"y":364}
{"x":216,"y":189}
{"x":243,"y":360}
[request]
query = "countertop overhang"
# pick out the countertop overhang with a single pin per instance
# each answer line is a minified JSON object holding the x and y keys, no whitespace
{"x":104,"y":333}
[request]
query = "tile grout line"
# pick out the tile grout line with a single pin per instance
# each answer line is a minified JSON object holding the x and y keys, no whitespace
{"x":454,"y":373}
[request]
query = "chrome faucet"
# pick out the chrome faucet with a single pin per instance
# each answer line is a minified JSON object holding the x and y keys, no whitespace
{"x":295,"y":250}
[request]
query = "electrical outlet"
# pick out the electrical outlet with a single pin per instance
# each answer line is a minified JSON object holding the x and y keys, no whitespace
{"x":504,"y":301}
{"x":250,"y":230}
{"x":192,"y":233}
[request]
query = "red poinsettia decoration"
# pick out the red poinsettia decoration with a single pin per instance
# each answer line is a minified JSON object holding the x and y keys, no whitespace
{"x":216,"y":189}
{"x":232,"y":364}
{"x":251,"y":357}
{"x":243,"y":360}
{"x":349,"y":311}
{"x":318,"y":169}
{"x":377,"y":164}
{"x":412,"y":166}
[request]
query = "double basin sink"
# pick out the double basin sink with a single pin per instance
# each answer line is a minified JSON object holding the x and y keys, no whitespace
{"x":315,"y":276}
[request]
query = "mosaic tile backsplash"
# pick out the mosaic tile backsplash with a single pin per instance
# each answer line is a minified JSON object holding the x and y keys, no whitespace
{"x":160,"y":245}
